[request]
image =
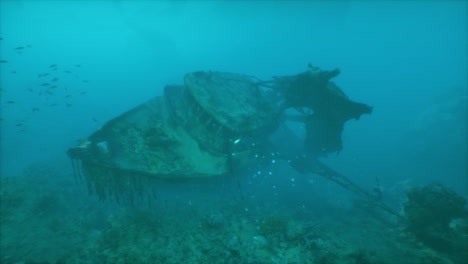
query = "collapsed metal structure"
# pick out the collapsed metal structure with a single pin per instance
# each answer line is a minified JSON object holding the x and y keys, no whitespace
{"x":214,"y":125}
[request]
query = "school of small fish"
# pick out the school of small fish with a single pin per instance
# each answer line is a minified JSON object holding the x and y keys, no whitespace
{"x":55,"y":87}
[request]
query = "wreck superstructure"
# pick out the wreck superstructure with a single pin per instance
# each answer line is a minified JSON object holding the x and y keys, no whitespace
{"x":215,"y":124}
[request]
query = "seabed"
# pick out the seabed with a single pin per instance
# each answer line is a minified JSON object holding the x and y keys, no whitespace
{"x":47,"y":218}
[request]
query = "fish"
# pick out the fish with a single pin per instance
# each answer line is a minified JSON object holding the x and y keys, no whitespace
{"x":19,"y":48}
{"x":1,"y":38}
{"x":85,"y":81}
{"x":3,"y":61}
{"x":49,"y":92}
{"x":28,"y":46}
{"x":53,"y":66}
{"x":42,"y":75}
{"x":83,"y":93}
{"x":19,"y":125}
{"x":31,"y":90}
{"x":13,"y":72}
{"x":69,"y":105}
{"x":35,"y":109}
{"x":11,"y":102}
{"x":53,"y":105}
{"x":77,"y":65}
{"x":45,"y":84}
{"x":53,"y":87}
{"x":94,"y":119}
{"x":68,"y":96}
{"x":67,"y":72}
{"x":55,"y":79}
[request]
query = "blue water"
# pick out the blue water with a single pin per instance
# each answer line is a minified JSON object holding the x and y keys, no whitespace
{"x":407,"y":59}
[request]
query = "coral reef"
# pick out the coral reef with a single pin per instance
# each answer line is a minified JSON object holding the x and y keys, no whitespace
{"x":433,"y":212}
{"x":276,"y":224}
{"x":47,"y":218}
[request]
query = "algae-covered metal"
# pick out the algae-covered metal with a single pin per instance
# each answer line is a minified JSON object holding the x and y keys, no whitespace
{"x":212,"y":125}
{"x":233,"y":100}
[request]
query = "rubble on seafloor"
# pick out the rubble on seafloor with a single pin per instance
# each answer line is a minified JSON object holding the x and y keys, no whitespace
{"x":47,"y":218}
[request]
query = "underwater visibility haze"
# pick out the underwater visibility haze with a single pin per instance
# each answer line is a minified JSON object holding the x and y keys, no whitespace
{"x":234,"y":132}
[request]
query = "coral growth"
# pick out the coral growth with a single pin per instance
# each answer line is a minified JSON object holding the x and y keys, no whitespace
{"x":46,"y":218}
{"x":433,"y":212}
